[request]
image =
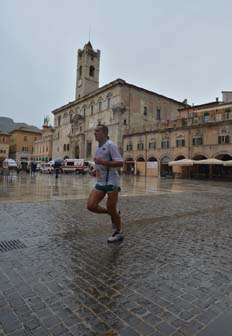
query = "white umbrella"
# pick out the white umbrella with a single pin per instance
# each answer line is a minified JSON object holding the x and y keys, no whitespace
{"x":9,"y":163}
{"x":227,"y":163}
{"x":209,"y":162}
{"x":182,"y":162}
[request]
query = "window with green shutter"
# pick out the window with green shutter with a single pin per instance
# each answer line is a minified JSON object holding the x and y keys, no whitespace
{"x":140,"y":146}
{"x":196,"y":141}
{"x":227,"y":139}
{"x":165,"y":144}
{"x":223,"y":139}
{"x":180,"y":143}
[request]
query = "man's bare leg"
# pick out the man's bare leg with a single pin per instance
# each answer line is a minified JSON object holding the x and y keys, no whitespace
{"x":111,"y":204}
{"x":95,"y":197}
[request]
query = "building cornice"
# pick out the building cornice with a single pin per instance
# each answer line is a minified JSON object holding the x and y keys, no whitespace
{"x":23,"y":130}
{"x":108,"y":86}
{"x":206,"y":107}
{"x":179,"y":128}
{"x":4,"y":133}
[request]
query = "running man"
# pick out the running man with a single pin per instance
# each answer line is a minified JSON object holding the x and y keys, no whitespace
{"x":107,"y":160}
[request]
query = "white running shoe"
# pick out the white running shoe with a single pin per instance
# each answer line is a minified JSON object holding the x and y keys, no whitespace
{"x":116,"y":237}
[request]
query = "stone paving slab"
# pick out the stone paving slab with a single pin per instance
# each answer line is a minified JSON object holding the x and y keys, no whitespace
{"x":171,"y":276}
{"x":221,"y":326}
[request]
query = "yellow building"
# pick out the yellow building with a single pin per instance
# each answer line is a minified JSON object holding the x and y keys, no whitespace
{"x":199,"y":132}
{"x":4,"y":145}
{"x":21,"y":143}
{"x":42,"y":149}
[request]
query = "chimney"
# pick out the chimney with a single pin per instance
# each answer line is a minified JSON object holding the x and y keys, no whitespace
{"x":227,"y":96}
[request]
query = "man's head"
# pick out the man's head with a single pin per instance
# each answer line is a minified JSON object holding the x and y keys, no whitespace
{"x":101,"y":132}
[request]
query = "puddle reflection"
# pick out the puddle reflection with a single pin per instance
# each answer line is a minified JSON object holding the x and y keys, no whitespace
{"x":25,"y":187}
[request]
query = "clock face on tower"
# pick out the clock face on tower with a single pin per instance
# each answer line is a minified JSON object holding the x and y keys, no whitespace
{"x":79,"y":82}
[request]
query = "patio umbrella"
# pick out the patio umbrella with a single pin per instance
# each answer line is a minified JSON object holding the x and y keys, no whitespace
{"x":209,"y":162}
{"x":227,"y":163}
{"x":182,"y":162}
{"x":9,"y":163}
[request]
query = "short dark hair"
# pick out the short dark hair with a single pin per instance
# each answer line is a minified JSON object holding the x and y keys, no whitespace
{"x":105,"y":129}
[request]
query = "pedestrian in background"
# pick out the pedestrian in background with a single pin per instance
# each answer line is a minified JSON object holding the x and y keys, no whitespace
{"x":33,"y":168}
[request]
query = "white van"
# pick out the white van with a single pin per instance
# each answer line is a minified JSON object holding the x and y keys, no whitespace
{"x":78,"y":166}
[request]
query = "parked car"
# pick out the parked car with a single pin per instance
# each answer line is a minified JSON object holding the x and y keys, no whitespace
{"x":47,"y":167}
{"x":39,"y":165}
{"x":78,"y":166}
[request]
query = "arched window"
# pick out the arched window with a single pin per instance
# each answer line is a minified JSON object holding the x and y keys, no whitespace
{"x":140,"y":146}
{"x":152,"y":159}
{"x":129,"y":147}
{"x":83,"y":110}
{"x":80,"y":71}
{"x":108,"y":102}
{"x":99,"y":106}
{"x":206,"y":117}
{"x":152,"y":144}
{"x":65,"y":118}
{"x":91,"y":71}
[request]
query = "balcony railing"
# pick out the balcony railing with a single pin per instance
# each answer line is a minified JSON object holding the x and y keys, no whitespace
{"x":119,"y":107}
{"x":213,"y":118}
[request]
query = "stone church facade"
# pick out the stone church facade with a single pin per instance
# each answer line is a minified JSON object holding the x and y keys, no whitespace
{"x":123,"y":107}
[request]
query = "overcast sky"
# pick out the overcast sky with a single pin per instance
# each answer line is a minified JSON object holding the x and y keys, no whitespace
{"x":177,"y":48}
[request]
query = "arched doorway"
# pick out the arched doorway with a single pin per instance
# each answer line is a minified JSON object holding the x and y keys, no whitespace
{"x":224,"y":171}
{"x":165,"y":170}
{"x":182,"y":167}
{"x":129,"y":166}
{"x":223,"y":157}
{"x":152,"y":167}
{"x":180,"y":157}
{"x":200,"y":171}
{"x":152,"y":159}
{"x":140,"y":166}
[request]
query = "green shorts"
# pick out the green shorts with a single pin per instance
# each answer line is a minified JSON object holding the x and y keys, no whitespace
{"x":107,"y":188}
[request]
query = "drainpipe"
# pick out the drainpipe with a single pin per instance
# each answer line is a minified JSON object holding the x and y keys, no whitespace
{"x":145,"y":154}
{"x":129,"y":109}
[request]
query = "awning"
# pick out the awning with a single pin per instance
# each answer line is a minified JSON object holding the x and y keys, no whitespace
{"x":227,"y":163}
{"x":209,"y":162}
{"x":182,"y":162}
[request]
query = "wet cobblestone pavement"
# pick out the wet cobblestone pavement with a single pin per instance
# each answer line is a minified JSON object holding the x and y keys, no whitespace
{"x":172,"y":275}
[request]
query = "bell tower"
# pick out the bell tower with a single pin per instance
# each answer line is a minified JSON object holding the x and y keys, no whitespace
{"x":88,"y":66}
